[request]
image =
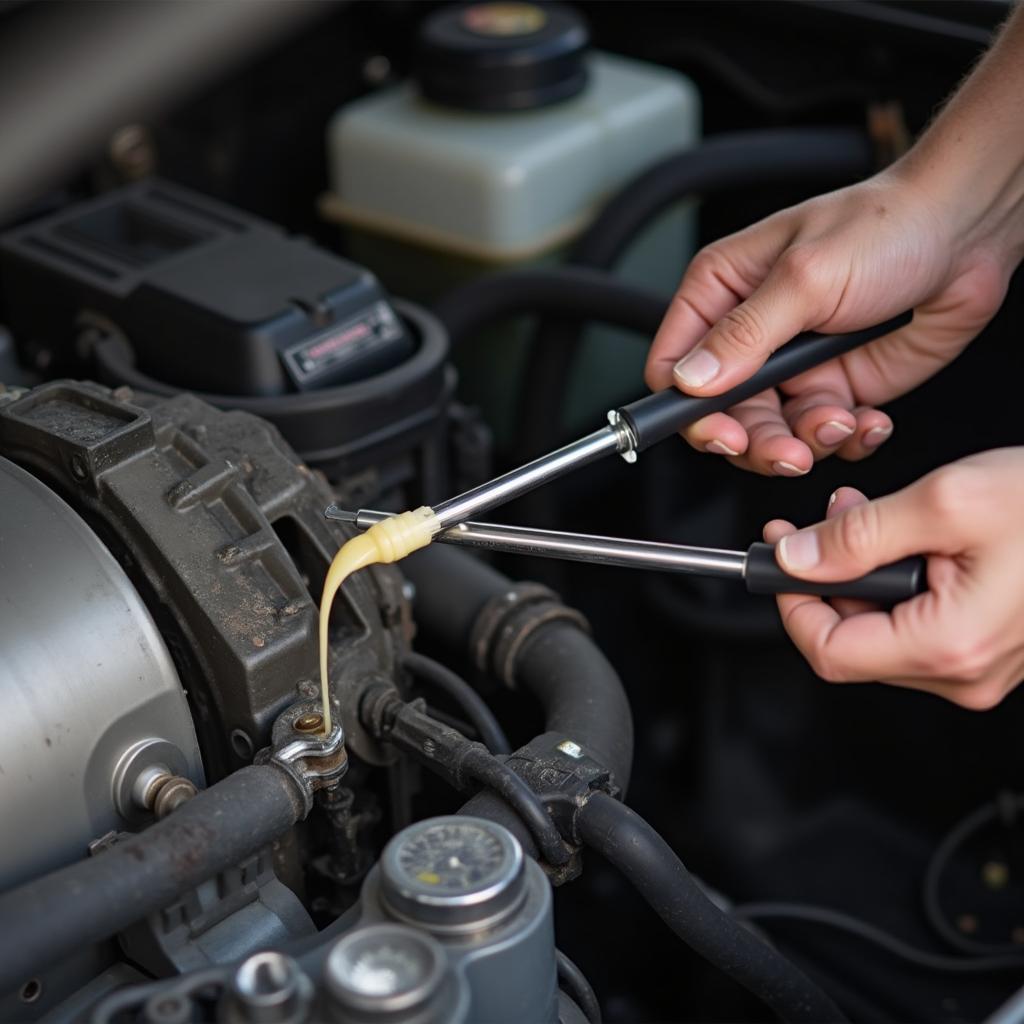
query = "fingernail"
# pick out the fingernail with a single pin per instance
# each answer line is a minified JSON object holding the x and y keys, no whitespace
{"x":875,"y":436}
{"x":788,"y":469}
{"x":832,"y":433}
{"x":697,"y":369}
{"x":717,"y":447}
{"x":800,"y":550}
{"x":833,"y":498}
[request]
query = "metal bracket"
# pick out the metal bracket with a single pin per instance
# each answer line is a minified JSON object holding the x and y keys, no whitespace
{"x":312,"y":760}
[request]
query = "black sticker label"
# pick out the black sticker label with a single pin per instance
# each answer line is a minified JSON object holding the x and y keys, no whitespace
{"x":312,"y":357}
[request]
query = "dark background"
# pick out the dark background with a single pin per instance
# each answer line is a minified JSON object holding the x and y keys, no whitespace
{"x":769,"y":783}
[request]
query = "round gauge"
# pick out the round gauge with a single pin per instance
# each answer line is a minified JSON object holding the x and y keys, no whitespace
{"x":452,"y":872}
{"x":385,"y":968}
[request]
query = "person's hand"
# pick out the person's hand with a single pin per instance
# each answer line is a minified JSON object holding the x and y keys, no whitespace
{"x":839,"y":262}
{"x":964,"y":638}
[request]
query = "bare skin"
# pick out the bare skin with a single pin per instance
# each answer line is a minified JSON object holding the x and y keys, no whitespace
{"x":963,"y":638}
{"x":941,"y":232}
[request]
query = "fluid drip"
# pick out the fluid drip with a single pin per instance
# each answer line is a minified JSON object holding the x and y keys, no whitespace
{"x":384,"y":542}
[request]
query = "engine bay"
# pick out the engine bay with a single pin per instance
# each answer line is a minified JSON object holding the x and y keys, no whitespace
{"x":367,"y":256}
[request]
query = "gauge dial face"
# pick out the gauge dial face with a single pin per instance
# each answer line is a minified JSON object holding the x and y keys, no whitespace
{"x":384,"y":968}
{"x":453,"y":858}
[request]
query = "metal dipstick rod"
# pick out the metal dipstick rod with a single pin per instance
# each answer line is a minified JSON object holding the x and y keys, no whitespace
{"x":574,"y":547}
{"x":635,"y":427}
{"x":613,"y":438}
{"x":756,"y":567}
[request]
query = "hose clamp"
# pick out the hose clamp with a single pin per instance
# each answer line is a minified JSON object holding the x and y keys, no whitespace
{"x":299,"y":747}
{"x":508,"y":620}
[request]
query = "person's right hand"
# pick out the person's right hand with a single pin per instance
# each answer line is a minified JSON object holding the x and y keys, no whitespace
{"x":837,"y":263}
{"x":962,"y":639}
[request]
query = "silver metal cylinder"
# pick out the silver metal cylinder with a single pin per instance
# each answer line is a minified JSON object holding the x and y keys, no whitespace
{"x":578,"y":547}
{"x":466,"y":882}
{"x":89,"y":695}
{"x":511,"y":485}
{"x":453,"y":875}
{"x":391,"y":972}
{"x":268,"y":988}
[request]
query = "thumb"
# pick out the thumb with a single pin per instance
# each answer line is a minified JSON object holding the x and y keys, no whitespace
{"x":740,"y":342}
{"x":862,"y":537}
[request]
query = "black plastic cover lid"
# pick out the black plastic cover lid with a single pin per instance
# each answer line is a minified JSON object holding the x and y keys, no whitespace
{"x":502,"y":55}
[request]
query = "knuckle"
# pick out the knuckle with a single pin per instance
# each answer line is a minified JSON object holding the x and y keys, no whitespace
{"x":801,"y":265}
{"x":966,"y":658}
{"x":742,"y":331}
{"x":710,"y":267}
{"x":827,"y":669}
{"x":979,"y":697}
{"x":951,"y":492}
{"x":859,"y":532}
{"x":825,"y":664}
{"x":709,"y":260}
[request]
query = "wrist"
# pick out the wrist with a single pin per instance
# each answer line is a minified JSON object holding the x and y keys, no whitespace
{"x":969,"y":164}
{"x":974,"y":187}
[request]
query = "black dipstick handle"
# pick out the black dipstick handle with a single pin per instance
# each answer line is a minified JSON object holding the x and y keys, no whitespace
{"x":887,"y":585}
{"x":664,"y":413}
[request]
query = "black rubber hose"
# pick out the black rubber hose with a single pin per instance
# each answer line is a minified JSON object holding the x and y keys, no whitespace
{"x":574,"y":291}
{"x":824,"y":156}
{"x":578,"y":689}
{"x":573,"y":981}
{"x":623,"y":838}
{"x":580,"y":693}
{"x":803,"y":913}
{"x":89,"y":901}
{"x":1005,"y":810}
{"x":719,"y":164}
{"x":470,"y":703}
{"x":451,"y":588}
{"x":502,"y":780}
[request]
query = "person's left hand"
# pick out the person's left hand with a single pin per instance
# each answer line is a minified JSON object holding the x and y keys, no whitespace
{"x":964,"y":638}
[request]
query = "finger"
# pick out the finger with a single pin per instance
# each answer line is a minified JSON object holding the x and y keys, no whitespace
{"x":975,"y":696}
{"x":910,"y":648}
{"x":867,"y":535}
{"x":874,"y":428}
{"x":740,"y":341}
{"x":718,"y":433}
{"x":772,"y":449}
{"x":718,"y":278}
{"x":822,"y":423}
{"x":942,"y":327}
{"x":776,"y":529}
{"x":860,"y":648}
{"x":820,"y":408}
{"x":839,"y":501}
{"x":843,"y":498}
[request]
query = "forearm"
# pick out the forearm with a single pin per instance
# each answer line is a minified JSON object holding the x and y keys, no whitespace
{"x":970,"y":161}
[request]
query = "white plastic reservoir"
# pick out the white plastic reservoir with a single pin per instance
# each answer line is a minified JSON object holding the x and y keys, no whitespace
{"x":432,"y":195}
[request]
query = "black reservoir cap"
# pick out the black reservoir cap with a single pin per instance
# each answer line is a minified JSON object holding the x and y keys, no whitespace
{"x":502,"y":56}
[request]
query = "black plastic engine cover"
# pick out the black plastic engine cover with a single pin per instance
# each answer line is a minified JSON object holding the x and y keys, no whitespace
{"x":211,"y":298}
